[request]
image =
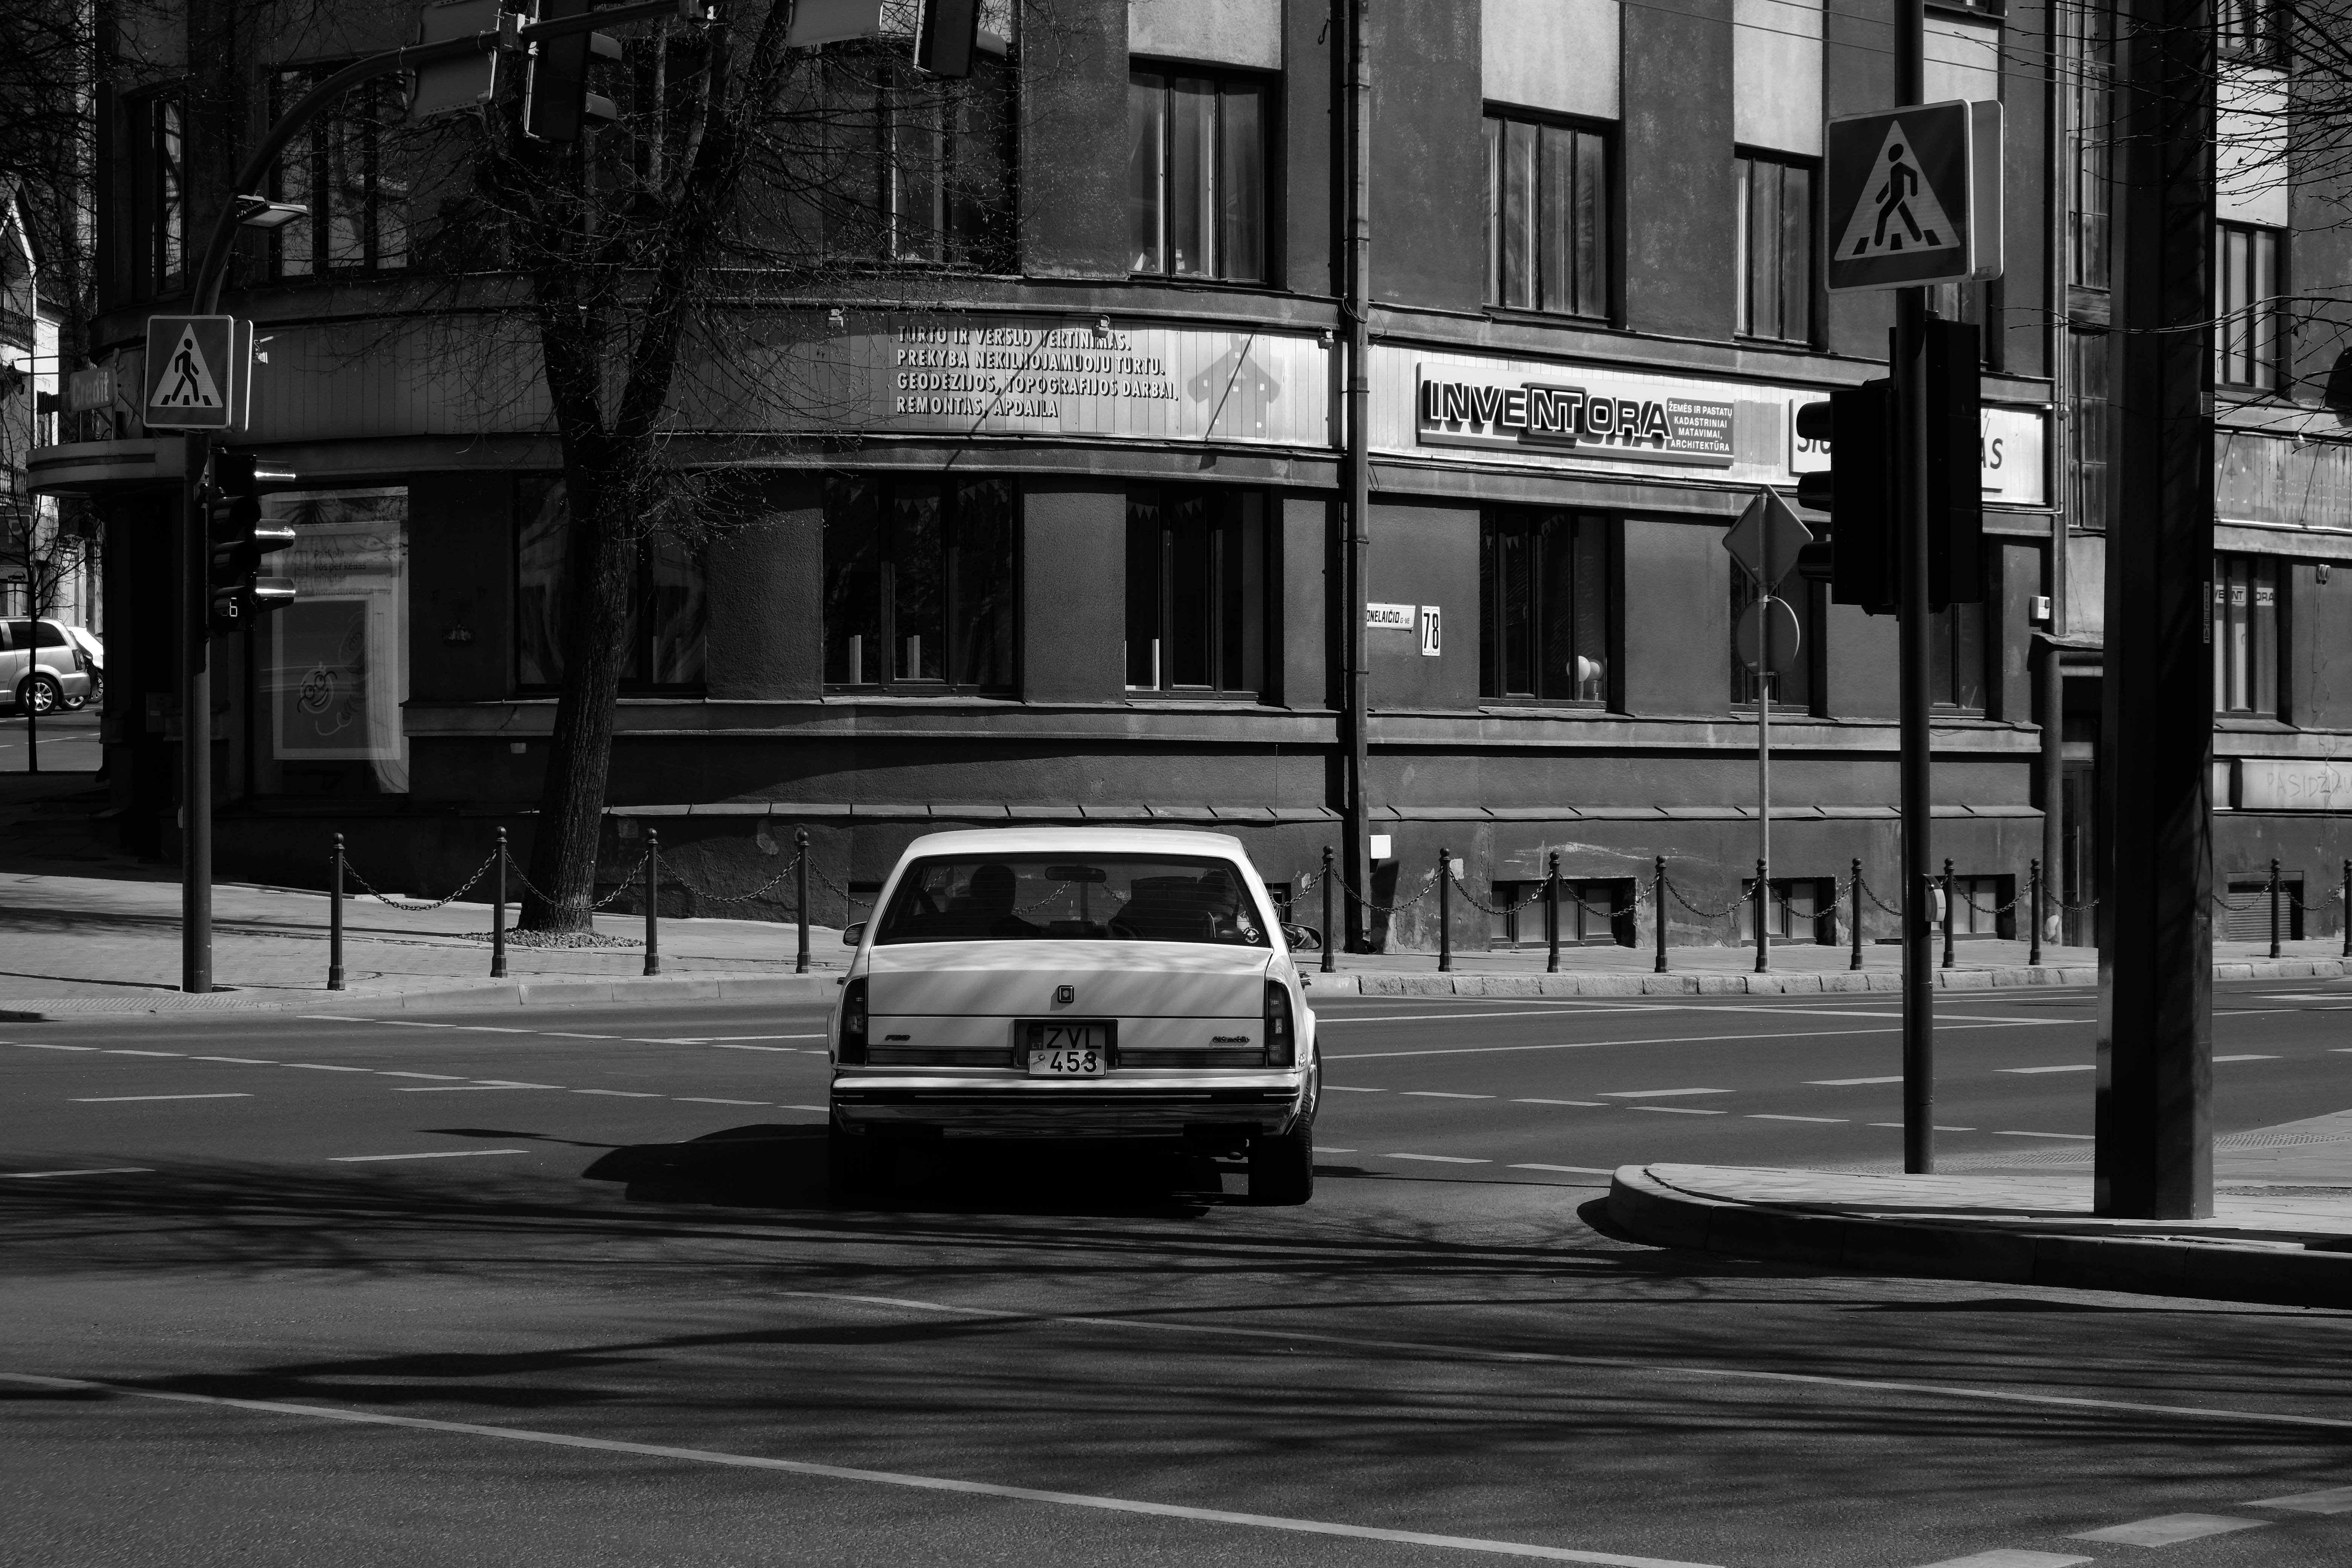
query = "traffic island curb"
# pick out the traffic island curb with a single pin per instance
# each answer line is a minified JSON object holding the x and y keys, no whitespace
{"x":2008,"y":1252}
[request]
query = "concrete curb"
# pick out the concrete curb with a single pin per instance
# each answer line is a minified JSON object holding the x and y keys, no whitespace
{"x":1630,"y":983}
{"x":549,"y":993}
{"x":1665,"y":1216}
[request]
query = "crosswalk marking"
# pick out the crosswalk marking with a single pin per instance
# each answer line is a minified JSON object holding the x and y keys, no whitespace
{"x":2167,"y":1529}
{"x":2335,"y":1499}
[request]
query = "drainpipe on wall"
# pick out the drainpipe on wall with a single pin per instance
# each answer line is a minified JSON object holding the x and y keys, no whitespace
{"x":1356,"y":308}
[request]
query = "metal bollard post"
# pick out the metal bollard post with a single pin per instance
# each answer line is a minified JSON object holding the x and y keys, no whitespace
{"x":1329,"y":960}
{"x":2348,"y":908}
{"x":652,"y":900}
{"x":1445,"y":911}
{"x":800,"y":896}
{"x":1551,"y":913}
{"x":1763,"y":908}
{"x":1661,"y":965}
{"x":1856,"y":923}
{"x":335,"y":920}
{"x":2274,"y":907}
{"x":498,"y":913}
{"x":2034,"y":956}
{"x":1948,"y":913}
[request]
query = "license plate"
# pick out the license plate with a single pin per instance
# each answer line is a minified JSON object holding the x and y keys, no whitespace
{"x":1069,"y":1050}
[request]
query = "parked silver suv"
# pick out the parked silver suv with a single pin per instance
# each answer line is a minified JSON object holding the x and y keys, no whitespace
{"x":42,"y":667}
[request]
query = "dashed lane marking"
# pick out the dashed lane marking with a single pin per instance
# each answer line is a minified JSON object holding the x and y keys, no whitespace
{"x":1768,"y":1116}
{"x":324,"y":1067}
{"x":1850,"y":1082}
{"x":2068,"y":1067}
{"x":2335,"y":1499}
{"x":240,"y":1061}
{"x":1325,"y":1149}
{"x":125,"y":1098}
{"x":2169,"y":1529}
{"x":1445,"y":1094}
{"x":2248,"y":1057}
{"x":1676,"y":1110}
{"x":429,"y":1154}
{"x":457,"y":1087}
{"x":1440,"y":1159}
{"x":2070,"y":1137}
{"x":1648,"y":1040}
{"x":1555,"y":1011}
{"x":32,"y":1045}
{"x":1898,"y":1127}
{"x":703,"y":1100}
{"x":2008,"y":1558}
{"x":1588,"y":1104}
{"x":440,"y":1077}
{"x":124,"y":1051}
{"x":882,"y":1477}
{"x":126,"y":1170}
{"x":1654,"y":1093}
{"x":788,"y":1050}
{"x":1354,"y":1088}
{"x":622,"y":1093}
{"x":1569,"y":1170}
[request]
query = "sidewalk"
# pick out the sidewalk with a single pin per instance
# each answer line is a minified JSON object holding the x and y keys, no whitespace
{"x":2281,"y":1232}
{"x":87,"y":930}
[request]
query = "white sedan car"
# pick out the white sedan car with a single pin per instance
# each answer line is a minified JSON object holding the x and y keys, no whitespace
{"x":1076,"y":982}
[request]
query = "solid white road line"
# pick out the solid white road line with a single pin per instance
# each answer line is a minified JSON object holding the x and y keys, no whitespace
{"x":1850,"y":1082}
{"x":2070,"y":1137}
{"x":1570,"y":1170}
{"x":31,"y":1046}
{"x":434,"y":1155}
{"x":883,"y":1478}
{"x":1653,"y":1093}
{"x":123,"y":1099}
{"x":698,"y":1100}
{"x":2335,"y":1499}
{"x":1555,"y":1011}
{"x":789,"y":1050}
{"x":1439,"y":1159}
{"x":1327,"y":1149}
{"x":820,"y":1110}
{"x":2069,"y":1066}
{"x":1651,"y":1041}
{"x":1352,"y":1088}
{"x":2167,"y":1528}
{"x":1768,"y":1116}
{"x":137,"y":1171}
{"x":2246,"y":1058}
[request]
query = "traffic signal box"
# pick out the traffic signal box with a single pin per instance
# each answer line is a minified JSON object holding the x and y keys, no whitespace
{"x":239,"y":539}
{"x":556,"y":102}
{"x":1862,"y":558}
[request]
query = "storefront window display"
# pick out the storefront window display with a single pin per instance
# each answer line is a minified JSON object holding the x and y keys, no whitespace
{"x":333,"y":665}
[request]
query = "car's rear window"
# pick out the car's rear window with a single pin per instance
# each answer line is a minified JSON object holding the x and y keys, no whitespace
{"x":1051,"y":897}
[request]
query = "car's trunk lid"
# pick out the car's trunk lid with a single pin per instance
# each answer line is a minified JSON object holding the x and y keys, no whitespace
{"x":1107,"y":979}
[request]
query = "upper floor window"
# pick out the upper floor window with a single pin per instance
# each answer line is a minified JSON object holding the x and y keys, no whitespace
{"x":346,"y":170}
{"x":921,"y":165}
{"x":2246,"y":625}
{"x":1775,"y":248}
{"x":920,"y":592}
{"x":2249,"y":326}
{"x":2251,"y":30}
{"x":2086,"y":428}
{"x":1957,"y":670}
{"x":2089,"y":40}
{"x":662,"y":633}
{"x":1544,"y":592}
{"x":159,"y":205}
{"x":1196,"y":590}
{"x":1196,"y":175}
{"x":1547,"y":217}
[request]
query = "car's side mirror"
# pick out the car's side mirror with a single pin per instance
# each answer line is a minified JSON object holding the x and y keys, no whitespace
{"x":851,"y":935}
{"x":1305,"y":938}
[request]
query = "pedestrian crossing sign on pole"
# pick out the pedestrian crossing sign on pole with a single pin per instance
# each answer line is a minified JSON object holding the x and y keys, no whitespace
{"x":1914,"y":196}
{"x":192,"y":372}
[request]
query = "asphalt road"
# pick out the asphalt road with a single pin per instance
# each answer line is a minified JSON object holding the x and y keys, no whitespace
{"x":66,"y":742}
{"x":565,"y":1286}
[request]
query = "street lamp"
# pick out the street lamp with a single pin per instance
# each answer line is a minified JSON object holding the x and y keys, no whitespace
{"x":261,"y":213}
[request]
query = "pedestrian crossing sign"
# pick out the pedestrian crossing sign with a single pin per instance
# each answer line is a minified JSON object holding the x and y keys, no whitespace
{"x":1914,"y":196}
{"x":192,"y":372}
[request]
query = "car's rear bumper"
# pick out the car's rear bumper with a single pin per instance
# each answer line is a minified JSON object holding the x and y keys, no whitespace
{"x":1151,"y":1105}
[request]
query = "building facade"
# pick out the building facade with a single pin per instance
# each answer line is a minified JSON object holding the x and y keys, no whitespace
{"x":1050,"y":518}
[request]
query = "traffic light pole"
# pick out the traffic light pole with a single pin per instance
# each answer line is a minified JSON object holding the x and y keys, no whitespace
{"x":1909,"y":371}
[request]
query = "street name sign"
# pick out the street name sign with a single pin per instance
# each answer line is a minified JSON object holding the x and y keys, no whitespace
{"x":191,"y":373}
{"x":1913,"y":195}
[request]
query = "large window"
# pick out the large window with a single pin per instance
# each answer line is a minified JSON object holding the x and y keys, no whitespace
{"x":158,"y":205}
{"x":2086,"y":428}
{"x":663,"y":631}
{"x":922,"y":165}
{"x":332,"y":667}
{"x":1956,"y":658}
{"x":1547,"y":217}
{"x":1196,"y":176}
{"x":2090,"y":97}
{"x":2251,"y":30}
{"x":919,"y":591}
{"x":1792,"y":687}
{"x":1544,"y":592}
{"x":1775,"y":263}
{"x":2246,"y":623}
{"x":345,"y":169}
{"x":2249,"y":332}
{"x":1196,"y":590}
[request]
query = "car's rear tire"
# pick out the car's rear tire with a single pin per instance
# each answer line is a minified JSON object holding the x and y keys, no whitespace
{"x":1281,"y":1168}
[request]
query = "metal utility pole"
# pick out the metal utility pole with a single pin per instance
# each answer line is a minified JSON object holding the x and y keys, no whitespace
{"x":1910,"y":376}
{"x":1356,"y":406}
{"x":1765,"y":592}
{"x":2153,"y":1121}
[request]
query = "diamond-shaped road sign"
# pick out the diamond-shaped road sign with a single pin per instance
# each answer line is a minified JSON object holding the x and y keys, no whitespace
{"x":1913,"y":195}
{"x":191,"y":373}
{"x":1768,"y":525}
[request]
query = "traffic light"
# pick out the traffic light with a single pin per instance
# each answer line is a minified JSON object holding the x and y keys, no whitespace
{"x":947,"y":35}
{"x":1955,"y":461}
{"x":1857,"y":490}
{"x":239,"y":539}
{"x":555,"y":95}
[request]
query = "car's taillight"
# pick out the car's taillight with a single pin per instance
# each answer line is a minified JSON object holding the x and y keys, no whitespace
{"x":853,"y":1024}
{"x":1281,"y":1032}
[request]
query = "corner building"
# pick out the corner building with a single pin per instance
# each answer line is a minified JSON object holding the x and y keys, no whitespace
{"x":1064,"y":540}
